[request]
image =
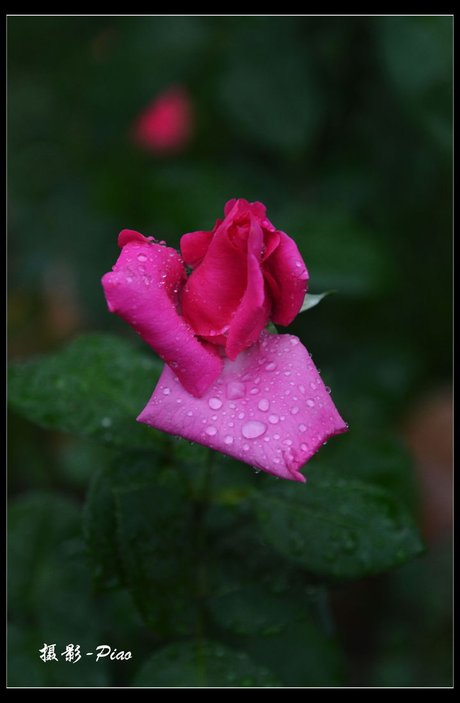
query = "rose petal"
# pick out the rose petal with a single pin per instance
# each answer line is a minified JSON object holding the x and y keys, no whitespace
{"x":215,"y":288}
{"x":254,"y":310}
{"x":287,"y":268}
{"x":268,"y":408}
{"x":143,"y":289}
{"x":194,"y":245}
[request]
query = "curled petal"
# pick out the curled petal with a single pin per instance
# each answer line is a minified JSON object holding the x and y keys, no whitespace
{"x":142,"y":288}
{"x":269,"y":408}
{"x":286,"y":266}
{"x":214,"y":289}
{"x":194,"y":245}
{"x":253,"y":312}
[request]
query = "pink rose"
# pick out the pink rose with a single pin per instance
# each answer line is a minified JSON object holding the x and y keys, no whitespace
{"x":165,"y":125}
{"x":227,"y":383}
{"x":246,"y":272}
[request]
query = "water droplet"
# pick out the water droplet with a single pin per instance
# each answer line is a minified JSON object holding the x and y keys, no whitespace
{"x":287,"y":373}
{"x":141,"y":257}
{"x":302,"y":389}
{"x":211,"y":430}
{"x":245,"y":447}
{"x":302,"y":428}
{"x":328,"y":389}
{"x":106,"y":422}
{"x":228,"y":439}
{"x":294,"y":410}
{"x":271,"y":366}
{"x":253,"y":429}
{"x":288,"y":442}
{"x":311,"y":403}
{"x":215,"y":403}
{"x":240,"y":416}
{"x":304,"y":447}
{"x":235,"y":389}
{"x":189,"y":413}
{"x":276,"y":436}
{"x":129,"y":279}
{"x":273,"y":419}
{"x":263,"y":404}
{"x":298,"y":264}
{"x":294,"y":341}
{"x":313,"y":386}
{"x":254,"y":391}
{"x":166,"y":391}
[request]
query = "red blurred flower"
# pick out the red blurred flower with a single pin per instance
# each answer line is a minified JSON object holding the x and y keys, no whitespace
{"x":165,"y":126}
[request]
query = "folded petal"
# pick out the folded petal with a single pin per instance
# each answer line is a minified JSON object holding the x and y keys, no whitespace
{"x":268,"y":408}
{"x":253,"y":312}
{"x":214,"y":289}
{"x":286,"y":266}
{"x":143,"y":289}
{"x":194,"y":245}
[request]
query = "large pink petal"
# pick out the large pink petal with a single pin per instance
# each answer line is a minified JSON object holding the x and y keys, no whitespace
{"x":268,"y":408}
{"x":253,"y":312}
{"x":286,"y":266}
{"x":143,"y":289}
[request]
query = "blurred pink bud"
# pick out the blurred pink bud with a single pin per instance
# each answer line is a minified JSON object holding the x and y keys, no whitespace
{"x":165,"y":126}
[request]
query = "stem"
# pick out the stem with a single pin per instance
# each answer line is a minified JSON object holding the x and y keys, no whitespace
{"x":201,"y":506}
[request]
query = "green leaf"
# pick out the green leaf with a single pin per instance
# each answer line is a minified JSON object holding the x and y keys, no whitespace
{"x":37,"y":525}
{"x":153,"y":537}
{"x":95,"y":387}
{"x":203,"y":665}
{"x":311,"y":300}
{"x":338,"y":528}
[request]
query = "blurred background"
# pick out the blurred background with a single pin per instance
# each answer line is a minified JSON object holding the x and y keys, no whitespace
{"x":342,"y":127}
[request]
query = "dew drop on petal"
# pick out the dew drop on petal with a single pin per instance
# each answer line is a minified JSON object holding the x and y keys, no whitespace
{"x":215,"y":403}
{"x":166,"y":391}
{"x":294,"y":410}
{"x":302,"y":428}
{"x":253,"y":429}
{"x":245,"y":447}
{"x":303,"y":447}
{"x":276,"y":436}
{"x":271,"y":366}
{"x":240,"y":416}
{"x":263,"y":404}
{"x":311,"y":403}
{"x":273,"y":419}
{"x":254,"y":391}
{"x":228,"y":439}
{"x":211,"y":430}
{"x":141,"y":257}
{"x":235,"y":389}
